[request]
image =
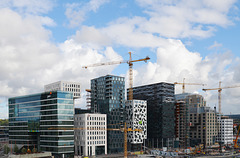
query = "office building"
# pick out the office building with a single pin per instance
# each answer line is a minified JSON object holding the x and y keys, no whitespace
{"x":108,"y":97}
{"x":65,"y":86}
{"x":136,"y":119}
{"x":44,"y":121}
{"x":225,"y":133}
{"x":160,"y":113}
{"x":90,"y":134}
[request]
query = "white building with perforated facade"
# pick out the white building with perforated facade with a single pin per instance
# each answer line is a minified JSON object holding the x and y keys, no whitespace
{"x":90,"y":134}
{"x":136,"y":119}
{"x":74,"y":87}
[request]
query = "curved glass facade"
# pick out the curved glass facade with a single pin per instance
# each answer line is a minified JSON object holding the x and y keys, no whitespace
{"x":43,"y":120}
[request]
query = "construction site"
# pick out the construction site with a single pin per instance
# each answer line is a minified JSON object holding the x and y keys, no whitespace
{"x":152,"y":121}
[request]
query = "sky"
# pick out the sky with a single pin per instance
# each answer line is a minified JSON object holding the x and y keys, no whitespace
{"x":44,"y":41}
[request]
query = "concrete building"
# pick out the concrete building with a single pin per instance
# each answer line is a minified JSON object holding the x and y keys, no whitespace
{"x":44,"y":121}
{"x":136,"y":118}
{"x":225,"y":133}
{"x":90,"y":134}
{"x":202,"y":122}
{"x":108,"y":97}
{"x":65,"y":86}
{"x":160,"y":113}
{"x":204,"y":126}
{"x":182,"y":123}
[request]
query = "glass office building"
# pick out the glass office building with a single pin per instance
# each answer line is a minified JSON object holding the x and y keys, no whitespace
{"x":108,"y":97}
{"x":44,"y":121}
{"x":160,"y":112}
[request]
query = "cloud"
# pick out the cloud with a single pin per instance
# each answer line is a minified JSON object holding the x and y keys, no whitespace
{"x":215,"y":45}
{"x":77,"y":12}
{"x":181,"y":19}
{"x":92,"y":37}
{"x":29,"y":6}
{"x":28,"y":60}
{"x":175,"y":62}
{"x":166,"y":19}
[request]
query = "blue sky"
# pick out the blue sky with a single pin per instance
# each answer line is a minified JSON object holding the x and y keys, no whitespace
{"x":50,"y":40}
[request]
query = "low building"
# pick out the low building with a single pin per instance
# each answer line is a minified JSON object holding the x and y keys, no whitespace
{"x":4,"y":135}
{"x":225,"y":133}
{"x":90,"y":134}
{"x":65,"y":86}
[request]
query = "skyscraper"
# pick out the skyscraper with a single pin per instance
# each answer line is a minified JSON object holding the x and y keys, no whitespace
{"x":160,"y":112}
{"x":43,"y":121}
{"x":108,"y":97}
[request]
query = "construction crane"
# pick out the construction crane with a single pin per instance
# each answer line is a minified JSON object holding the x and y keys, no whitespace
{"x":183,"y":84}
{"x":130,"y":63}
{"x":236,"y":139}
{"x":125,"y":130}
{"x":219,"y":94}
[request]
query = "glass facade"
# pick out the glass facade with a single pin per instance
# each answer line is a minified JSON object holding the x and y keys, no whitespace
{"x":43,"y":121}
{"x":108,"y":97}
{"x":160,"y":112}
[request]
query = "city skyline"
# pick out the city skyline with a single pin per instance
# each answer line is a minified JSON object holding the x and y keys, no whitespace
{"x":45,"y":41}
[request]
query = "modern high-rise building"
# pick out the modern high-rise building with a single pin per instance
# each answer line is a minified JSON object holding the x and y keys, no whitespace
{"x":136,"y":119}
{"x":225,"y":133}
{"x":90,"y":134}
{"x":160,"y":112}
{"x":44,"y":121}
{"x":65,"y":86}
{"x":108,"y":97}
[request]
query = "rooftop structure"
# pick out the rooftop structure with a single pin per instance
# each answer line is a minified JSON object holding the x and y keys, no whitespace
{"x":65,"y":86}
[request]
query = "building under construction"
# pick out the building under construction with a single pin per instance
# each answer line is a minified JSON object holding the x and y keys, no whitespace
{"x":182,"y":127}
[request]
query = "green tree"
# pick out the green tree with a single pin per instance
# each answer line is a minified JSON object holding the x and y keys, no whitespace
{"x":15,"y":148}
{"x":6,"y":149}
{"x":3,"y":122}
{"x":24,"y":150}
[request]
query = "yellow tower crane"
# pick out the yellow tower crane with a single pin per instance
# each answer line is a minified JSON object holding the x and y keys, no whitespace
{"x":219,"y":89}
{"x":130,"y":63}
{"x":183,"y":84}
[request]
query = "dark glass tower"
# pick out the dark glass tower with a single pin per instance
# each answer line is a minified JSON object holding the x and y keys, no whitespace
{"x":43,"y":121}
{"x":160,"y":112}
{"x":107,"y":97}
